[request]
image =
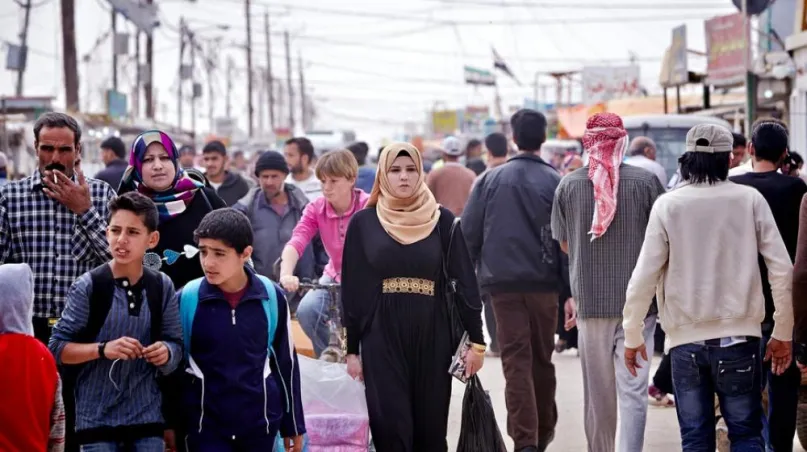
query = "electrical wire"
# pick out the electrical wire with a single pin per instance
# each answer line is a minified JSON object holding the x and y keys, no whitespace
{"x":654,"y":5}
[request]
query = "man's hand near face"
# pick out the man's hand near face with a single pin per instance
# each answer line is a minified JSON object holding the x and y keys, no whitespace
{"x":73,"y":195}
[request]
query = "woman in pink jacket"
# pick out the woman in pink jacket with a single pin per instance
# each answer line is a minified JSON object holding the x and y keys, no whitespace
{"x":328,"y":216}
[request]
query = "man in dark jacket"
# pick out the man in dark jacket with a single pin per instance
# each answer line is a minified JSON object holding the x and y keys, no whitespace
{"x":229,"y":185}
{"x":274,"y":209}
{"x":113,"y":154}
{"x":507,"y":228}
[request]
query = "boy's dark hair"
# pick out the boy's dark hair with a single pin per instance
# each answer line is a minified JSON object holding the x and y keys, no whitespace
{"x":138,"y":204}
{"x":770,"y":142}
{"x":215,"y":146}
{"x":739,"y":140}
{"x":115,"y":145}
{"x":529,"y":130}
{"x":304,"y":146}
{"x":769,"y":119}
{"x":497,"y":144}
{"x":700,"y":167}
{"x":229,"y":226}
{"x":57,"y":120}
{"x":187,"y":150}
{"x":360,"y":151}
{"x":473,"y":143}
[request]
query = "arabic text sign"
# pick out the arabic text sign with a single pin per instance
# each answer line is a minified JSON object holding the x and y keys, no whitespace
{"x":726,"y":48}
{"x":601,"y":84}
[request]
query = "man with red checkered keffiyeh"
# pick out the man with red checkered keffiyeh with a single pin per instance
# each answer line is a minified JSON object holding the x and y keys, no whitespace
{"x":599,"y":216}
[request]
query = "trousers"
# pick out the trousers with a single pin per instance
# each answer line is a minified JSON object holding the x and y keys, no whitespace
{"x":526,"y":324}
{"x":608,"y":387}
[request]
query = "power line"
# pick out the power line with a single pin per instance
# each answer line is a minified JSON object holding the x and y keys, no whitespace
{"x":589,"y":6}
{"x":422,"y":52}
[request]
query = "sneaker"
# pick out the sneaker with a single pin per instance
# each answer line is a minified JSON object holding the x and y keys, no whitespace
{"x":658,"y":398}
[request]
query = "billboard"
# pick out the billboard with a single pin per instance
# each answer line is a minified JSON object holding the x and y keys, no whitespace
{"x":726,"y":49}
{"x":476,"y":76}
{"x":445,"y":122}
{"x":603,"y":83}
{"x":679,"y":72}
{"x":116,"y":105}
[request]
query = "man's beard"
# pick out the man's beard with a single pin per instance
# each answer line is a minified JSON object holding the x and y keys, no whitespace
{"x":297,"y":169}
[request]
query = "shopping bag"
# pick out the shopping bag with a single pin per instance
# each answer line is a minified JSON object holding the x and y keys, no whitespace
{"x":335,"y":408}
{"x":479,"y":431}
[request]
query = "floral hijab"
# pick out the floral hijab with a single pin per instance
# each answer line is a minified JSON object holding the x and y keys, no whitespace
{"x":173,"y":201}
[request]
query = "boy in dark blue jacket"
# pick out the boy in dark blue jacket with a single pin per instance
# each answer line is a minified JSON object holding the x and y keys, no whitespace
{"x":244,"y":382}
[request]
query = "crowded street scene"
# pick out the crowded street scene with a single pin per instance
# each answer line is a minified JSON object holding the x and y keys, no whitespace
{"x":429,"y":226}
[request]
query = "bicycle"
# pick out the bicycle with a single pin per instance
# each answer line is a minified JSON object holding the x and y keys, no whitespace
{"x":336,"y":352}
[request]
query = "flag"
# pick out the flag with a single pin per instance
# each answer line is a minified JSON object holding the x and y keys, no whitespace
{"x":498,"y":63}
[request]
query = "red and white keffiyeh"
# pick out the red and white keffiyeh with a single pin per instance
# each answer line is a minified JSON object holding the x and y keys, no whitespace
{"x":606,"y":140}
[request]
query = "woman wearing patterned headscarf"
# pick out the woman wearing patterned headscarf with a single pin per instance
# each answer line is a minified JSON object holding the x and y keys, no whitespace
{"x":395,"y":310}
{"x":181,"y":200}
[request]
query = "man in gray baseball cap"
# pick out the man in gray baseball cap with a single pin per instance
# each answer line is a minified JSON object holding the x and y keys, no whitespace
{"x":700,"y":258}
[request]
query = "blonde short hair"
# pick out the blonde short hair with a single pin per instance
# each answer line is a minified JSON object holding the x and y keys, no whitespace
{"x":340,"y":163}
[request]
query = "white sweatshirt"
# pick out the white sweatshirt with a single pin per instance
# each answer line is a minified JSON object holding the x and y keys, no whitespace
{"x":700,"y":258}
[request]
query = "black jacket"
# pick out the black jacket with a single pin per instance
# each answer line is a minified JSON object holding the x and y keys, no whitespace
{"x":507,"y":228}
{"x":233,"y":188}
{"x":113,"y":173}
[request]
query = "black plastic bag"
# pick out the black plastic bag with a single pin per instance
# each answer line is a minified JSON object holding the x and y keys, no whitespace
{"x":479,"y":431}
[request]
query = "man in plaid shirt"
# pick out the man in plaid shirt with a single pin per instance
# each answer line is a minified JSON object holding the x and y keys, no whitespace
{"x":55,"y":220}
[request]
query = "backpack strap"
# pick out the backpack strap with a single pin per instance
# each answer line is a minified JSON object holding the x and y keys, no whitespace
{"x":154,"y":294}
{"x":103,"y":290}
{"x":188,"y":302}
{"x":270,"y":308}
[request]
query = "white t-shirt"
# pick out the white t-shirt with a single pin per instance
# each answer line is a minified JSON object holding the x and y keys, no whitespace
{"x":312,"y":187}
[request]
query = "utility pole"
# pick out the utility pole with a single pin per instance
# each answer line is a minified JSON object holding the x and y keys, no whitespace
{"x":249,"y":66}
{"x":136,"y":102}
{"x":114,"y":49}
{"x":261,"y":80}
{"x":303,"y":114}
{"x":750,"y":77}
{"x":70,"y":62}
{"x":209,"y":65}
{"x":181,"y":59}
{"x":289,"y":81}
{"x":270,"y":81}
{"x":192,"y":42}
{"x":228,"y":106}
{"x":24,"y":47}
{"x":147,"y":87}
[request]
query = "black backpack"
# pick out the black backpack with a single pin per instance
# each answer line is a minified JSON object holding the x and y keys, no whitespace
{"x":103,"y":290}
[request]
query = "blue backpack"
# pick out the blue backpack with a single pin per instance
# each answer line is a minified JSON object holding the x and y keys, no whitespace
{"x":189,"y":301}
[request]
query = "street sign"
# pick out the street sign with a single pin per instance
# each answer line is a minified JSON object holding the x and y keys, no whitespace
{"x":116,"y":106}
{"x":15,"y":58}
{"x":143,"y":15}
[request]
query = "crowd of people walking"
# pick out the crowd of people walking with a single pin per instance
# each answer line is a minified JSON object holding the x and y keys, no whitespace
{"x":149,"y":308}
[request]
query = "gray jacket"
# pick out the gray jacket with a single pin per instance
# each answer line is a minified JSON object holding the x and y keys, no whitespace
{"x":272,"y":232}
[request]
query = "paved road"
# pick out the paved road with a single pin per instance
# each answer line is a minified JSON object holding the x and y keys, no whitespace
{"x":662,"y":426}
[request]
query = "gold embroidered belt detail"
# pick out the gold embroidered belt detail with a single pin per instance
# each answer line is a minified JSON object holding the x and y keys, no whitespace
{"x":409,"y":285}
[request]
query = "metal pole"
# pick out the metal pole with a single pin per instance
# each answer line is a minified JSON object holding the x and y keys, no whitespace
{"x":228,"y":100}
{"x":289,"y":81}
{"x":303,"y":109}
{"x":24,"y":49}
{"x":270,"y":82}
{"x":70,"y":63}
{"x":136,"y":110}
{"x":750,"y":78}
{"x":192,"y":42}
{"x":147,"y":87}
{"x":250,"y":110}
{"x":181,"y":58}
{"x":114,"y":50}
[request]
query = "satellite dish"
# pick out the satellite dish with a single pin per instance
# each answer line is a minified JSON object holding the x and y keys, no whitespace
{"x":754,"y":7}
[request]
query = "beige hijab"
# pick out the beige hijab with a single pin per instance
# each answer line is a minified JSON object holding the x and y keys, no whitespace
{"x":407,"y":220}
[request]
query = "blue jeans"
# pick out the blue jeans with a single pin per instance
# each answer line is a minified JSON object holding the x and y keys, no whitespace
{"x":735,"y":374}
{"x":141,"y":445}
{"x":313,"y":315}
{"x":783,"y":402}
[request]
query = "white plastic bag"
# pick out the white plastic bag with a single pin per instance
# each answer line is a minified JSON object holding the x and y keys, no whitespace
{"x":335,"y":407}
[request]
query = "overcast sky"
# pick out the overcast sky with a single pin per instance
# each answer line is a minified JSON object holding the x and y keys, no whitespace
{"x":369,"y":65}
